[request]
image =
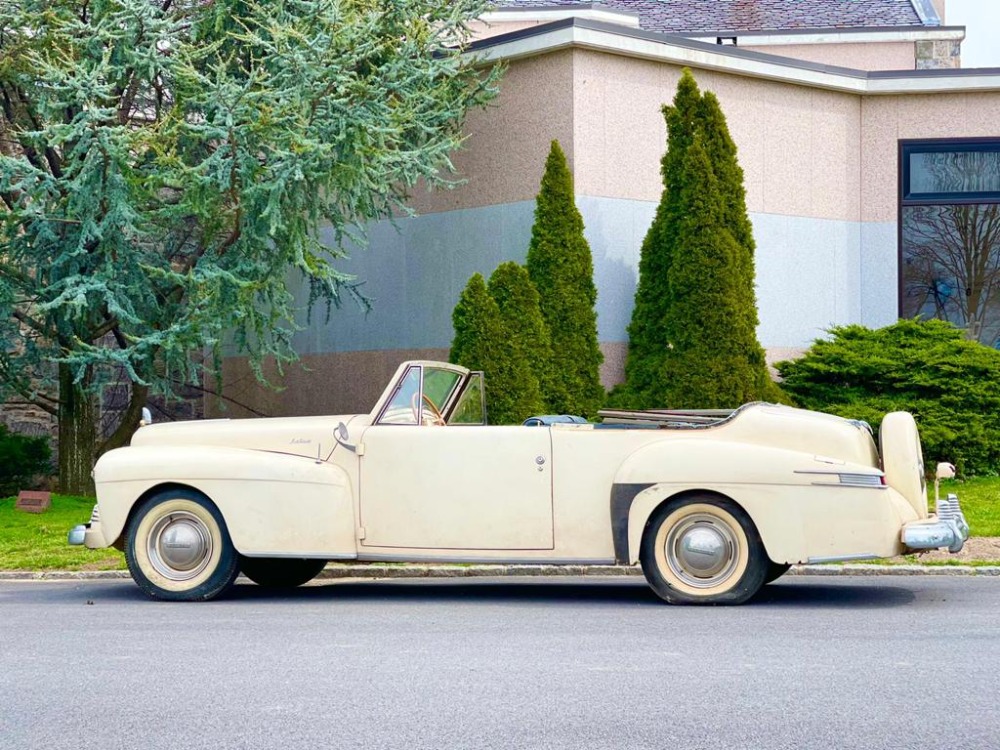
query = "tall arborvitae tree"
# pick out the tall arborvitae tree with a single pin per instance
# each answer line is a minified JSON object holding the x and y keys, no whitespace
{"x":562,"y":269}
{"x":721,"y":150}
{"x":482,"y":342}
{"x":685,"y":285}
{"x":705,"y":363}
{"x":521,"y":314}
{"x":653,"y":295}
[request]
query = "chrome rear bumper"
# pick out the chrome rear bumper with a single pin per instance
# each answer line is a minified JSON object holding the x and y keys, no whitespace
{"x":948,"y":529}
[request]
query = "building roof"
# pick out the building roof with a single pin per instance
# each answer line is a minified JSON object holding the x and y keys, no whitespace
{"x":717,"y":16}
{"x":681,"y":50}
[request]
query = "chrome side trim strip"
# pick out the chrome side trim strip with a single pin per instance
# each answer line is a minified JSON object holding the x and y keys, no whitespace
{"x":842,"y":558}
{"x":301,"y":555}
{"x":489,"y":560}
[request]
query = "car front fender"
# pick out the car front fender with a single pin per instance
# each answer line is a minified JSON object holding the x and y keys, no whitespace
{"x":274,"y":504}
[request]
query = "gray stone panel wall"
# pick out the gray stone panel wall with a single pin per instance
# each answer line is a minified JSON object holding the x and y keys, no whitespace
{"x":879,"y":273}
{"x":811,"y":274}
{"x":940,"y":54}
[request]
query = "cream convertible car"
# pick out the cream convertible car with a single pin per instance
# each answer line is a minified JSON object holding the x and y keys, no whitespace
{"x":712,"y":504}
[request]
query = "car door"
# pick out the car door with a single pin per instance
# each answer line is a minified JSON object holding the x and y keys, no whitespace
{"x":456,"y":487}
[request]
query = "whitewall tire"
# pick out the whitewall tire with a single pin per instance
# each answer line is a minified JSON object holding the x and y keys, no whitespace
{"x":177,"y":547}
{"x":703,"y":549}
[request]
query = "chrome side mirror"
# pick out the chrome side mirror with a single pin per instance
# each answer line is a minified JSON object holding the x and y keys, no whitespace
{"x":341,"y":435}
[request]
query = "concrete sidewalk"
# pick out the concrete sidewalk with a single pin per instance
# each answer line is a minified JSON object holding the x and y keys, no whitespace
{"x":398,"y":570}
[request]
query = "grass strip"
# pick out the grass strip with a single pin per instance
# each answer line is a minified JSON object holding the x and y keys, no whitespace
{"x":37,"y":541}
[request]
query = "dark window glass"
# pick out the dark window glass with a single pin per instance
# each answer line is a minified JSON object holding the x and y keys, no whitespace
{"x":954,"y":172}
{"x":950,"y":235}
{"x":951,"y":266}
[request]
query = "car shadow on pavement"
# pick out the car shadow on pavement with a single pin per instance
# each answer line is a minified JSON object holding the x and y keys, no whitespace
{"x":815,"y":595}
{"x":468,"y":590}
{"x":812,"y":594}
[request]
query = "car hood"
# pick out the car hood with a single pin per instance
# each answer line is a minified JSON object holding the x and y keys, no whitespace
{"x":300,"y":436}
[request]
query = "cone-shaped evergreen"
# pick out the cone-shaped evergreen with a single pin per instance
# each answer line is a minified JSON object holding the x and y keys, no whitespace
{"x":693,"y":335}
{"x":705,"y":365}
{"x":721,"y":150}
{"x":562,"y":269}
{"x":646,"y":330}
{"x":520,"y":312}
{"x":482,"y":342}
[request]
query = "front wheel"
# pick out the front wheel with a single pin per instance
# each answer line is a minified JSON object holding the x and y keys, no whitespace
{"x":177,"y":547}
{"x":280,"y":573}
{"x":703,"y":550}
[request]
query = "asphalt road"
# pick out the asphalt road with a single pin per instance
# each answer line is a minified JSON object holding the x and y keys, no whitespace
{"x":489,"y":663}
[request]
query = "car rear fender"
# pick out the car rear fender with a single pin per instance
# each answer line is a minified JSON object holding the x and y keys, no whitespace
{"x":274,"y":504}
{"x":775,"y":487}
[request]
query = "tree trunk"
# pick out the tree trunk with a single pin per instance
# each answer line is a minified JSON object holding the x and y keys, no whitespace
{"x":129,"y":420}
{"x":77,"y":435}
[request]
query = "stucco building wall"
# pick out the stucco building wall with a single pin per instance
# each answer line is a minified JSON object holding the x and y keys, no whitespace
{"x":862,"y":55}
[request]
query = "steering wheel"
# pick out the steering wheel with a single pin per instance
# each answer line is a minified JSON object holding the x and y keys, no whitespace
{"x":436,"y":418}
{"x":435,"y":414}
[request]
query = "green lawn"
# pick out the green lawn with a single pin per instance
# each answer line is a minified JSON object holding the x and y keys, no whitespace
{"x":30,"y":541}
{"x":980,"y":501}
{"x":38,"y":542}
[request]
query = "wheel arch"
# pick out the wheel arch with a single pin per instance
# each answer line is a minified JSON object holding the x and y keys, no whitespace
{"x":778,"y":544}
{"x":119,"y":541}
{"x":649,"y":501}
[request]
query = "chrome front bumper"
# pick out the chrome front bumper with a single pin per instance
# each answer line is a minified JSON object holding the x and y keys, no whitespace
{"x":948,"y":529}
{"x":77,"y":534}
{"x":88,"y":534}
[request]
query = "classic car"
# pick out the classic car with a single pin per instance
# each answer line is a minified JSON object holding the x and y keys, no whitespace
{"x":711,"y":504}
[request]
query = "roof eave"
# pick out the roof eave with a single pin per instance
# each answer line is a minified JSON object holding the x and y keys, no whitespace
{"x":679,"y":50}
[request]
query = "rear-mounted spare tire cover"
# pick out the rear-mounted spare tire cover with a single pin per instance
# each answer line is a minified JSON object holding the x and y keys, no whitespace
{"x":902,"y":459}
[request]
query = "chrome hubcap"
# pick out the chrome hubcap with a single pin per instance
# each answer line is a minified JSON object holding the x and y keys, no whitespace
{"x":179,"y":546}
{"x":701,"y":550}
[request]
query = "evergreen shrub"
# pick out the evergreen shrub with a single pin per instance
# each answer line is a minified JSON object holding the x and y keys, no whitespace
{"x":22,"y":458}
{"x":521,"y":315}
{"x":483,"y":342}
{"x":562,"y":269}
{"x":693,"y":334}
{"x":950,"y":384}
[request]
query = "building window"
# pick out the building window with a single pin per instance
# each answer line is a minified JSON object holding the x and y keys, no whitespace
{"x":949,"y":233}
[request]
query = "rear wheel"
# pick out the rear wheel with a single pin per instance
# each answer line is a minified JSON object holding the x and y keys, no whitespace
{"x":703,"y":550}
{"x":279,"y":572}
{"x":177,"y":547}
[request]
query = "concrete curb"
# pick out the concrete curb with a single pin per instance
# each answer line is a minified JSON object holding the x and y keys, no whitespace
{"x":382,"y":571}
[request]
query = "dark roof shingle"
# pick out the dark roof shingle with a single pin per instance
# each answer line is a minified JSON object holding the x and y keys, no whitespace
{"x":709,"y":16}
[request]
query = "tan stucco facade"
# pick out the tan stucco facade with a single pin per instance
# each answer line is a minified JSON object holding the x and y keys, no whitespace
{"x":889,"y":119}
{"x":863,"y":55}
{"x":507,"y":143}
{"x":798,"y":146}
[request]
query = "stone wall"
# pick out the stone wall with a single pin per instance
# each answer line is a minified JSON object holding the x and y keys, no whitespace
{"x":947,"y":54}
{"x":27,"y":419}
